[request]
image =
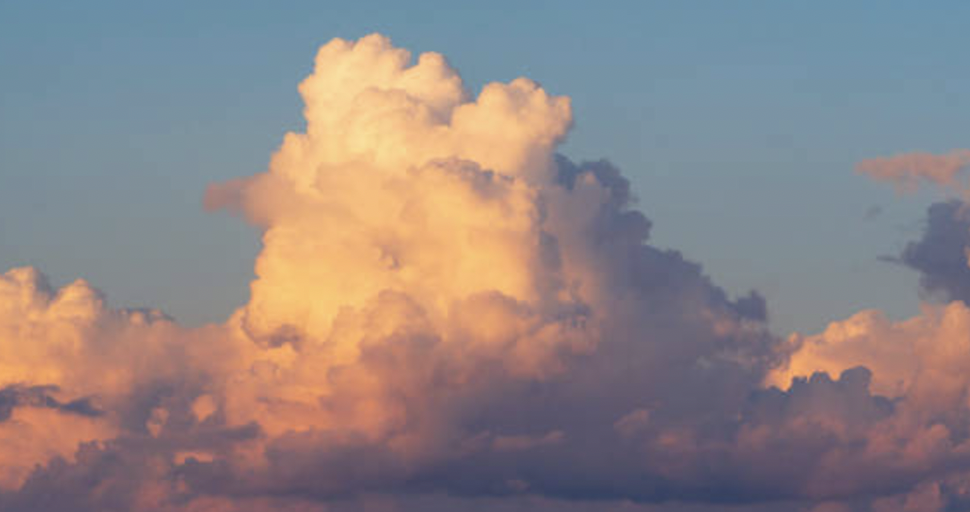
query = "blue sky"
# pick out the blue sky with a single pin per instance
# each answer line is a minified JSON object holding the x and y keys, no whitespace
{"x":738,"y":123}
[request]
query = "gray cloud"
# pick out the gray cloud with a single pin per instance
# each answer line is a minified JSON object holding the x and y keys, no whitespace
{"x":12,"y":397}
{"x":940,"y":254}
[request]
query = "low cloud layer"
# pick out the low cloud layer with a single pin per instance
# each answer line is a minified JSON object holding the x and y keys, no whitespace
{"x":449,"y":315}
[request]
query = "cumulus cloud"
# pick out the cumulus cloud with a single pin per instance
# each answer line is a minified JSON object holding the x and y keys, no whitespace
{"x":449,"y":315}
{"x":75,"y":371}
{"x":920,"y":366}
{"x":940,"y":255}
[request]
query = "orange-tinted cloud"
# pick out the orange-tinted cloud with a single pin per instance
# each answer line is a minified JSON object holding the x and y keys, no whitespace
{"x":447,"y":314}
{"x":907,"y":170}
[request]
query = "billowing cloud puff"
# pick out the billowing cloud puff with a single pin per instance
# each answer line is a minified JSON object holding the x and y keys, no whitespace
{"x":907,"y":170}
{"x":74,"y":371}
{"x":940,"y":255}
{"x":920,"y":366}
{"x":398,"y":183}
{"x":448,"y":315}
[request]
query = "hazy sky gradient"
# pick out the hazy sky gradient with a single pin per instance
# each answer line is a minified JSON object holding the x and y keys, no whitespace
{"x":739,"y":125}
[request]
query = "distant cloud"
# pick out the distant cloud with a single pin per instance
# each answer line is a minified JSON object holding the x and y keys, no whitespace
{"x":940,"y":255}
{"x":906,"y":171}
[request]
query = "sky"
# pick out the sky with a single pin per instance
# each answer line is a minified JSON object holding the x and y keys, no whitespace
{"x":373,"y":256}
{"x":738,"y":125}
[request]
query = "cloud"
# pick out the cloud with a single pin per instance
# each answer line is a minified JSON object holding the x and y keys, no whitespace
{"x":920,"y":364}
{"x":940,"y":255}
{"x":449,"y":315}
{"x":75,"y":371}
{"x":906,"y":171}
{"x":15,"y":396}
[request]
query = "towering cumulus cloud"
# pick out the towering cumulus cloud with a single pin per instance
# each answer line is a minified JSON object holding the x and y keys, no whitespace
{"x":447,"y":315}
